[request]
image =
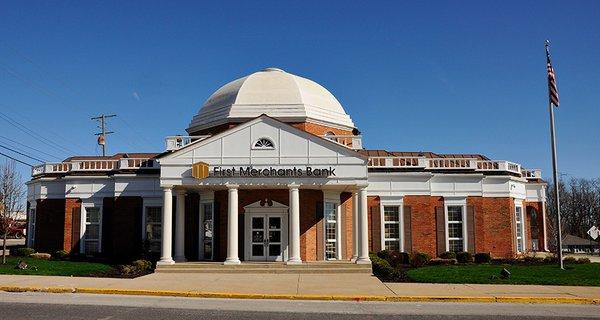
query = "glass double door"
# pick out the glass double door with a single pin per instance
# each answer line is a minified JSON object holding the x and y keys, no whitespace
{"x":268,"y":237}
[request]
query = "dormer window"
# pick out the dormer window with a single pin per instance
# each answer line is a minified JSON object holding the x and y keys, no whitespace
{"x":264,"y":144}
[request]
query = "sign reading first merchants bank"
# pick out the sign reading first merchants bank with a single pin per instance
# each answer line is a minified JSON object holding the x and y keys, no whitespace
{"x":202,"y":170}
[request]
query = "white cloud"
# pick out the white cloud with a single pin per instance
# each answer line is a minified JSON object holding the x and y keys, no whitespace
{"x":136,"y":95}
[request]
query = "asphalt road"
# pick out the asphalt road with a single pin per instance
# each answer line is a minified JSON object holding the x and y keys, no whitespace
{"x":88,"y":306}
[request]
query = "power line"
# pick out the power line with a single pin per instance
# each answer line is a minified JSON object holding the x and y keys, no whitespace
{"x":29,"y":147}
{"x":102,"y":134}
{"x":17,"y":160}
{"x":32,"y":133}
{"x":25,"y":155}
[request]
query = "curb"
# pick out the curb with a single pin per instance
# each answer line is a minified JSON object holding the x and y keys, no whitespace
{"x":198,"y":294}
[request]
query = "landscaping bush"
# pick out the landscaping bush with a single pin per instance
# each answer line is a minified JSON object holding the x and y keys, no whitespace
{"x":23,"y":252}
{"x":570,"y":260}
{"x":441,"y":262}
{"x":419,"y":259}
{"x":533,"y":260}
{"x":385,"y":272}
{"x":41,"y":256}
{"x":448,"y":255}
{"x":142,"y":265}
{"x":504,"y":260}
{"x":399,"y":258}
{"x":464,"y":257}
{"x":383,"y":254}
{"x":483,"y":257}
{"x":583,"y":260}
{"x":60,"y":255}
{"x":381,"y":267}
{"x":551,"y":259}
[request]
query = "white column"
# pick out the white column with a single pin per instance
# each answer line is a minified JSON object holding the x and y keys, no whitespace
{"x":180,"y":227}
{"x":363,"y":251}
{"x":355,"y":228}
{"x":294,"y":225}
{"x":232,"y":225}
{"x":545,"y":244}
{"x":167,"y":225}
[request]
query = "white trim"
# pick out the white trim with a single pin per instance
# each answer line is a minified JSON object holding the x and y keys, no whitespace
{"x":519,"y":204}
{"x":456,"y":202}
{"x":82,"y":241}
{"x":254,"y":147}
{"x":276,"y":209}
{"x":391,"y":202}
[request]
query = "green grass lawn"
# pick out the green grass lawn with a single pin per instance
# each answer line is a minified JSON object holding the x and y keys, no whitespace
{"x":577,"y":274}
{"x":55,"y":268}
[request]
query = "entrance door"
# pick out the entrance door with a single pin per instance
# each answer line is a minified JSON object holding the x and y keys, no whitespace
{"x":267,"y":237}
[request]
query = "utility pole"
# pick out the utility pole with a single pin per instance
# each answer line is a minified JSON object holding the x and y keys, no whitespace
{"x":102,"y":134}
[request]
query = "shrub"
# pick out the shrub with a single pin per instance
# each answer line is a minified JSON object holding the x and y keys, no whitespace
{"x":419,"y":259}
{"x":483,"y":257}
{"x":381,"y":267}
{"x":23,"y":252}
{"x":142,"y":265}
{"x":570,"y":260}
{"x":442,"y":262}
{"x":448,"y":255}
{"x":504,"y":260}
{"x":533,"y":260}
{"x":464,"y":257}
{"x":583,"y":260}
{"x":384,"y":254}
{"x":41,"y":256}
{"x":551,"y":259}
{"x":126,"y":269}
{"x":398,"y":258}
{"x":61,"y":255}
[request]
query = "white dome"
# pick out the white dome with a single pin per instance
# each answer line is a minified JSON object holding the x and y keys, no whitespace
{"x":273,"y":92}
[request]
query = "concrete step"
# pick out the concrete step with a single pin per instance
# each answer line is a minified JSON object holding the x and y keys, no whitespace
{"x":259,"y":267}
{"x":266,"y":270}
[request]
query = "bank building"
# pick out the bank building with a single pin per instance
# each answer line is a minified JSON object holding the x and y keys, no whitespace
{"x":273,"y":169}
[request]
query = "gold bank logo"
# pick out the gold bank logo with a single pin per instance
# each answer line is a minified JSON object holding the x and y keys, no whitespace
{"x":200,"y":170}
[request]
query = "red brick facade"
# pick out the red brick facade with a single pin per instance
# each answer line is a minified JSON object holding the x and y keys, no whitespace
{"x":493,"y":223}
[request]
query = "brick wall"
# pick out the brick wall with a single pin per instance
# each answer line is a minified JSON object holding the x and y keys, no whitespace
{"x":320,"y":130}
{"x":122,"y":228}
{"x":72,"y":225}
{"x":494,"y":225}
{"x":538,"y":207}
{"x":374,"y":222}
{"x":423,"y":222}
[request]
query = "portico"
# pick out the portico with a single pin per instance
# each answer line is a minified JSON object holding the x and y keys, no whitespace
{"x":279,"y":194}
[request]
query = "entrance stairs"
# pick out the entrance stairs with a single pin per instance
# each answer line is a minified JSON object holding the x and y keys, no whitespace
{"x":320,"y":267}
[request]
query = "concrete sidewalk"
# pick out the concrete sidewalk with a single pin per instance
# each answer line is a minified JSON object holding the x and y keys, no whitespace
{"x":301,"y":286}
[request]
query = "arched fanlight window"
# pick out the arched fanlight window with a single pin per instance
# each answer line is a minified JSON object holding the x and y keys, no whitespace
{"x":330,"y":135}
{"x":264,"y":143}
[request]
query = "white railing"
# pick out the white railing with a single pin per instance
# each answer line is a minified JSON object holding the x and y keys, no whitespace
{"x":95,"y":165}
{"x":531,"y":173}
{"x":396,"y":162}
{"x":497,"y":165}
{"x":451,"y":164}
{"x":352,"y":142}
{"x":178,"y":142}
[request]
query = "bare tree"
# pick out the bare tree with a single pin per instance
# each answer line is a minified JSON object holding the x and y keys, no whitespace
{"x":579,"y":207}
{"x":12,"y":198}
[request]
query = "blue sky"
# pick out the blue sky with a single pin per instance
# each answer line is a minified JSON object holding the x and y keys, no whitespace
{"x":448,"y":77}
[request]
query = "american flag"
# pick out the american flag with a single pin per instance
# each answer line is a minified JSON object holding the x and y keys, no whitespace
{"x":552,"y":89}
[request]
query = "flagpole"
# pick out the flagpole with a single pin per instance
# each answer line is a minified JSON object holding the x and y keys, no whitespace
{"x":555,"y":175}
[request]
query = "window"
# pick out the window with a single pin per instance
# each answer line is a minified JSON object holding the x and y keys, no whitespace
{"x":391,"y":225}
{"x":153,"y":228}
{"x":207,"y":235}
{"x":264,"y":143}
{"x":330,"y":230}
{"x":93,"y":219}
{"x":519,"y":225}
{"x":456,"y":241}
{"x":533,"y":226}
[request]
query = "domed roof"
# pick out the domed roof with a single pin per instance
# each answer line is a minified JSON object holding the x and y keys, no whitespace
{"x":276,"y":93}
